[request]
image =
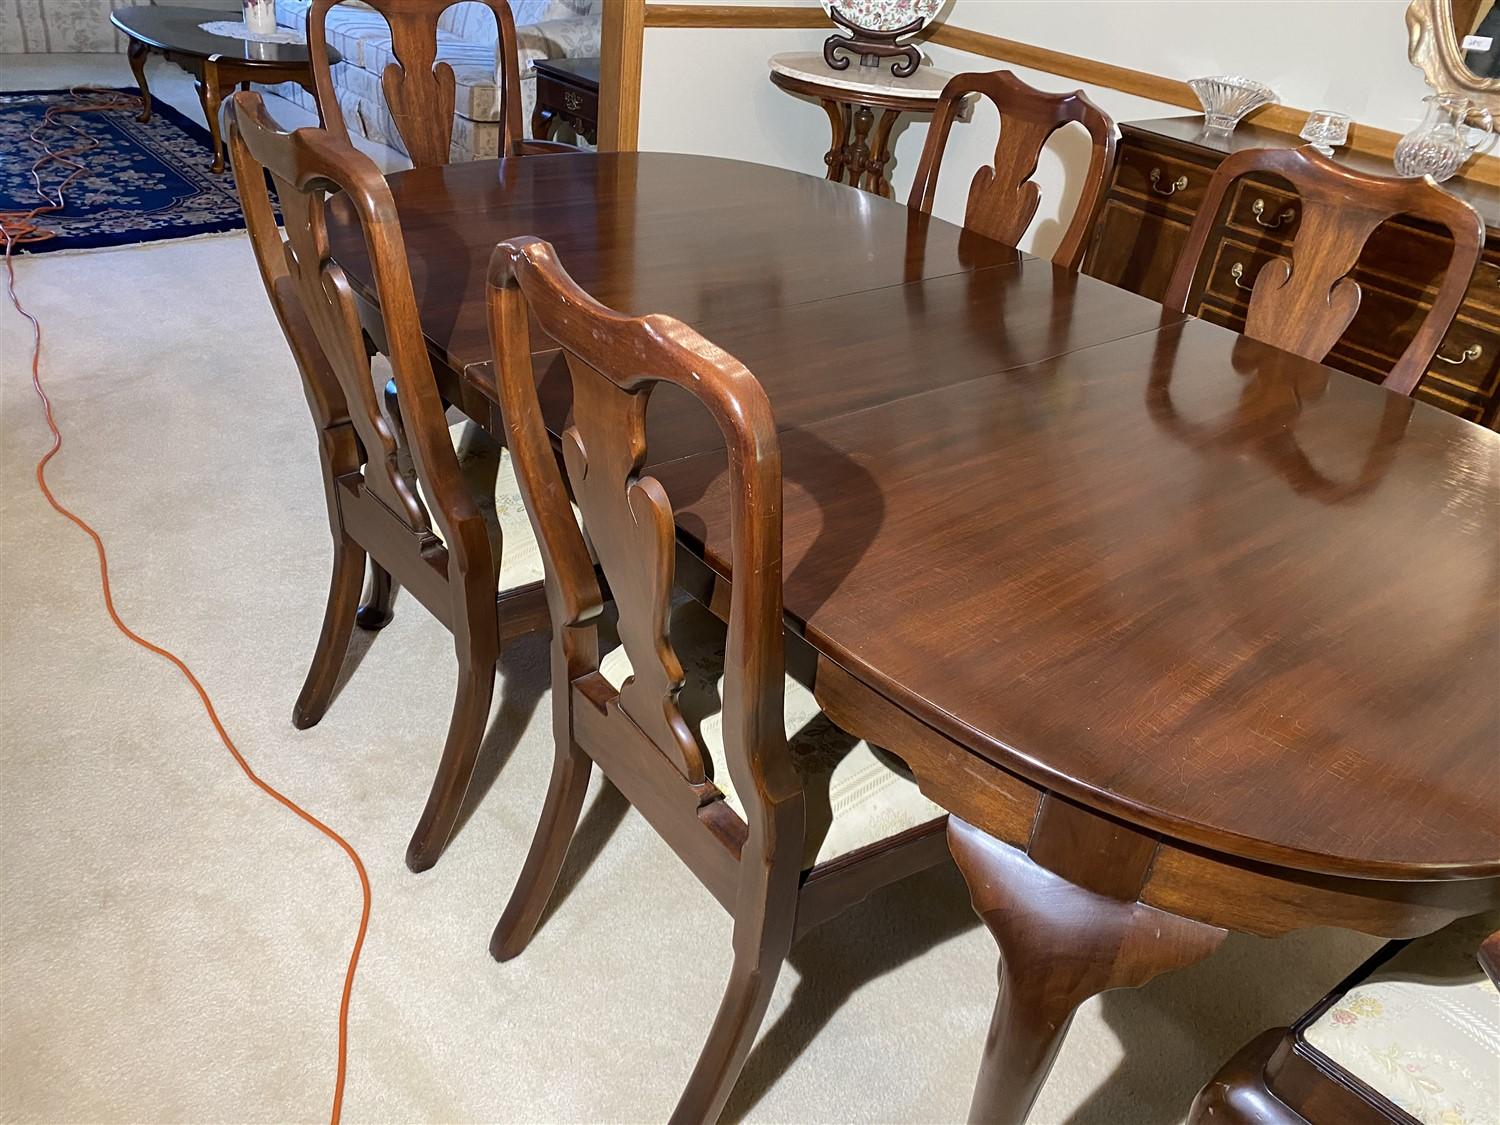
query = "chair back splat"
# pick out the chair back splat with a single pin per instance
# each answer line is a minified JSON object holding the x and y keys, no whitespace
{"x":615,"y":362}
{"x":1304,"y":303}
{"x":419,"y":90}
{"x":305,"y":167}
{"x":1003,"y":199}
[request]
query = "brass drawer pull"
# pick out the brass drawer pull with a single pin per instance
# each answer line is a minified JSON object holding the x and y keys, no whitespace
{"x":1177,"y":185}
{"x":1236,"y":272}
{"x":1258,"y":209}
{"x":1473,"y":351}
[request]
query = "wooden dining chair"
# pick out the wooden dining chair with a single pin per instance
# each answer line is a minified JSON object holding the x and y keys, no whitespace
{"x":420,"y":90}
{"x":691,"y":724}
{"x":426,"y":529}
{"x":1003,"y":199}
{"x":1413,"y":1035}
{"x":1303,"y":303}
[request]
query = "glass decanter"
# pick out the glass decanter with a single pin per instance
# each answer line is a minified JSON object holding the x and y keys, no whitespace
{"x":1453,"y":130}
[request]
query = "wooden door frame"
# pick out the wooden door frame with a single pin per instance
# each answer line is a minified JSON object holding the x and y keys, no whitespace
{"x":622,"y":37}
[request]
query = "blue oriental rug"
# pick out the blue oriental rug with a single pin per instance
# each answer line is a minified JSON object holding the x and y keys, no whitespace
{"x":143,"y":182}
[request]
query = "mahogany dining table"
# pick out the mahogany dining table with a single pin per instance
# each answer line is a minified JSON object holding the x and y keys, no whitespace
{"x":1188,"y":634}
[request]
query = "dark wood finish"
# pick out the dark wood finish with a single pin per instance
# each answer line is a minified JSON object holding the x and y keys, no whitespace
{"x":219,"y":63}
{"x":1489,"y":958}
{"x":1162,"y":172}
{"x":853,"y":157}
{"x":1051,"y":543}
{"x":1002,"y":197}
{"x":696,"y":238}
{"x":1069,"y":926}
{"x":872,"y":46}
{"x":1304,"y":302}
{"x":567,"y":91}
{"x":638,"y":735}
{"x":434,"y":543}
{"x":1102,"y":586}
{"x":418,"y":88}
{"x":1241,"y":1093}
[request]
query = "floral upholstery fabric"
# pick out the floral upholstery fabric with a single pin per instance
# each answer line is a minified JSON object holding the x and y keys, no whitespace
{"x":1424,"y":1029}
{"x":466,"y":40}
{"x":853,"y":795}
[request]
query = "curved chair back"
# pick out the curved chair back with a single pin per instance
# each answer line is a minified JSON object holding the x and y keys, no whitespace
{"x":1002,"y":198}
{"x":1303,"y":303}
{"x":319,"y":314}
{"x":419,"y":90}
{"x":615,"y":362}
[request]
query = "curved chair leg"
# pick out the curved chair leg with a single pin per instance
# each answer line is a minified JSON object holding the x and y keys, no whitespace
{"x":380,"y":596}
{"x":333,"y":641}
{"x":471,"y":711}
{"x":554,"y":831}
{"x":760,"y":950}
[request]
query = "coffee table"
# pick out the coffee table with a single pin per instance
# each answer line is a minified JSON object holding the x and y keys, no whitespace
{"x":218,"y":62}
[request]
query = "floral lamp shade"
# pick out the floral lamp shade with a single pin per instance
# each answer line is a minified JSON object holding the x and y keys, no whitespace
{"x":875,"y":30}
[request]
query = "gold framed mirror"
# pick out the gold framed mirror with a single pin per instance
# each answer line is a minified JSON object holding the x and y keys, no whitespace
{"x":1456,"y":45}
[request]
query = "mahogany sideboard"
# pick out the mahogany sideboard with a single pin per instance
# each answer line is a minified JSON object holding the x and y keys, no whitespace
{"x":1161,"y":172}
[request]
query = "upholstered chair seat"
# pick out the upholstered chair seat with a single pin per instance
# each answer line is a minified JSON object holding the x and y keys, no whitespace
{"x":1423,"y":1030}
{"x":856,"y":794}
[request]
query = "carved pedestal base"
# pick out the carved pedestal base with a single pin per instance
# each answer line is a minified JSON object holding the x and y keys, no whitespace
{"x":854,"y":158}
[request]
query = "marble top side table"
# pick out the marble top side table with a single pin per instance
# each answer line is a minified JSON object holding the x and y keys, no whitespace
{"x":850,"y":98}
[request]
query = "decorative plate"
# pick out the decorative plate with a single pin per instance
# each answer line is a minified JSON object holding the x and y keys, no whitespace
{"x":884,"y":15}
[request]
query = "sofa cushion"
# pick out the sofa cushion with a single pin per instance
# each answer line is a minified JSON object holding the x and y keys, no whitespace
{"x":854,"y":796}
{"x":473,"y":22}
{"x":1423,"y":1030}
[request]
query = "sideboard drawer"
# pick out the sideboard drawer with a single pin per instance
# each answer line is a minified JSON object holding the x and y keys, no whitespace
{"x":1483,"y":296}
{"x":1234,"y":270}
{"x":1469,"y":356}
{"x":1264,"y":211}
{"x":1165,"y":179}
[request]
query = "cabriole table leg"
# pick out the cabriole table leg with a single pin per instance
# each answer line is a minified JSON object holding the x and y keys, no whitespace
{"x":137,"y":56}
{"x":1061,"y":941}
{"x":211,"y":95}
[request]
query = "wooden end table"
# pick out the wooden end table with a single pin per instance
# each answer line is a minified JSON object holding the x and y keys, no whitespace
{"x":850,"y":98}
{"x":218,"y":62}
{"x":567,"y":90}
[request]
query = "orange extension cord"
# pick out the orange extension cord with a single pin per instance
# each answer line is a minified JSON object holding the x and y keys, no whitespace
{"x":19,"y":228}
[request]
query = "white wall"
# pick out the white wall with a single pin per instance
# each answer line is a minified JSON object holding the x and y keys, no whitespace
{"x":706,"y":90}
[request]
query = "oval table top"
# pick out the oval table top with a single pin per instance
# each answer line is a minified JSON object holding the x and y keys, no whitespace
{"x":177,"y":29}
{"x":1224,"y":593}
